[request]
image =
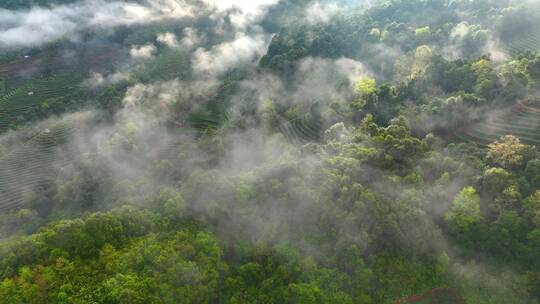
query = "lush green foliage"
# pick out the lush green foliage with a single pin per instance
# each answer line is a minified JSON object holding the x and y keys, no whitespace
{"x":417,"y":181}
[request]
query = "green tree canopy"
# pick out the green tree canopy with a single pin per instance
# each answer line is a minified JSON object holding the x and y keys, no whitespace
{"x":465,"y":209}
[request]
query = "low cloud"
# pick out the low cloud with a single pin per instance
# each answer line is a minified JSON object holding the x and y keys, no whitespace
{"x":150,"y":96}
{"x":315,"y":81}
{"x":319,"y":13}
{"x":98,"y":79}
{"x":318,"y":79}
{"x":191,"y":38}
{"x":242,"y":13}
{"x":145,"y":51}
{"x":471,"y":41}
{"x":39,"y":25}
{"x":220,"y":58}
{"x":168,"y":39}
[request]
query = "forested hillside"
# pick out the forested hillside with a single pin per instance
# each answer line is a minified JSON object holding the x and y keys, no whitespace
{"x":270,"y":151}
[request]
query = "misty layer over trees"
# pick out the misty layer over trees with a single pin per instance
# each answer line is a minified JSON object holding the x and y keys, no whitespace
{"x":269,"y":151}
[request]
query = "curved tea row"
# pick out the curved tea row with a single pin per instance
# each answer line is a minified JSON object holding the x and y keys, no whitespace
{"x":523,"y":123}
{"x":32,"y":166}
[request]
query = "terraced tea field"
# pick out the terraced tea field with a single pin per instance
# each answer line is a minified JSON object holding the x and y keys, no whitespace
{"x":32,"y":166}
{"x":34,"y":96}
{"x":34,"y":86}
{"x":169,"y":64}
{"x":521,"y":120}
{"x":37,"y":164}
{"x":530,"y":42}
{"x":302,"y":130}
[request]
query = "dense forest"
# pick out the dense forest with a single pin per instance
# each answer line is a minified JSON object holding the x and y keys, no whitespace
{"x":270,"y":151}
